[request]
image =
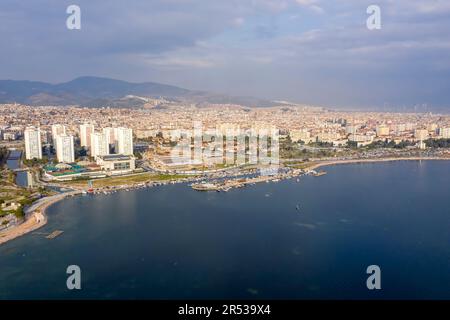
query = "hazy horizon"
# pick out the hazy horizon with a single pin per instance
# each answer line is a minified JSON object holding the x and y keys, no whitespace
{"x":308,"y":51}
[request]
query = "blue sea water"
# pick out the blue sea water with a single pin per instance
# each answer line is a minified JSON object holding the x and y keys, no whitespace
{"x":172,"y":242}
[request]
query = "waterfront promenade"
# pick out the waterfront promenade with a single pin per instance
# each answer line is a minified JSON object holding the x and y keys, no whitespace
{"x":355,"y":161}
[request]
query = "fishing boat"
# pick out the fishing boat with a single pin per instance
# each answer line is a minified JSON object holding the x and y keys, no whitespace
{"x":90,"y":187}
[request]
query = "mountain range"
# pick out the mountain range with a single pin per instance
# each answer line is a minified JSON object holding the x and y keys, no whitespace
{"x":101,"y":92}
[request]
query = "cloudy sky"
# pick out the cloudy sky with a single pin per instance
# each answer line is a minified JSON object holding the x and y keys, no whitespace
{"x":310,"y":51}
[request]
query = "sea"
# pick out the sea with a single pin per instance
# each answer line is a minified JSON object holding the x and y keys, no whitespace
{"x":314,"y":238}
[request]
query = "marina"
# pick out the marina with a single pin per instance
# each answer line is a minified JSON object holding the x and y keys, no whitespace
{"x":229,"y":184}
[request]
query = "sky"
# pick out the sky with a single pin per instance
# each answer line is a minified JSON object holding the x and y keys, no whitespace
{"x":308,"y":51}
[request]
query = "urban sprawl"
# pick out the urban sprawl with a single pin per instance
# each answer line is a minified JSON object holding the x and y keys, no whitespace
{"x":66,"y":150}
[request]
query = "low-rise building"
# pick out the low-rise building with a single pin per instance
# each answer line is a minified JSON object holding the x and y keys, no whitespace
{"x":361,"y":139}
{"x":303,"y":135}
{"x":421,"y":134}
{"x":10,"y":206}
{"x":117,"y":163}
{"x":10,"y":135}
{"x":382,"y":131}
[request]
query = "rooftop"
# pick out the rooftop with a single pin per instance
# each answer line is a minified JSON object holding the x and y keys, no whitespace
{"x":115,"y":157}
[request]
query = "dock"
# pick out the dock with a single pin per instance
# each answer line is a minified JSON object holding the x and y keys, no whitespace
{"x":231,"y":184}
{"x":54,"y":234}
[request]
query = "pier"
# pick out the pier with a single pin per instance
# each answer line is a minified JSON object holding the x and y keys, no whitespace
{"x":236,"y":183}
{"x":54,"y":234}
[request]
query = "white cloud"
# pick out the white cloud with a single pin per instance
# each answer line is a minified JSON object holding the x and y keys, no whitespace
{"x":312,"y":5}
{"x":219,"y":41}
{"x":237,"y":22}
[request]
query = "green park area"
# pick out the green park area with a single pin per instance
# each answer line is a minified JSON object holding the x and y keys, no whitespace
{"x":125,"y":180}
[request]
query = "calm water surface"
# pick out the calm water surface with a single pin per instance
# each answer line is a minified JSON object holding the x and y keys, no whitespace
{"x":173,"y":242}
{"x":23,"y":178}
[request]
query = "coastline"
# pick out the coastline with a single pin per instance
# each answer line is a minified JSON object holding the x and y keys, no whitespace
{"x":355,"y":161}
{"x":34,"y":222}
{"x":37,"y":217}
{"x":37,"y":211}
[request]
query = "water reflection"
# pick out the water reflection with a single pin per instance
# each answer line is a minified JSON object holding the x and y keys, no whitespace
{"x":13,"y":161}
{"x":23,"y":178}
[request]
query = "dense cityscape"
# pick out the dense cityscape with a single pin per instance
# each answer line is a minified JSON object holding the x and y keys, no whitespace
{"x":90,"y":149}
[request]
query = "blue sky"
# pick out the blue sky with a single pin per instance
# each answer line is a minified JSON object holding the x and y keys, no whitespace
{"x":310,"y":51}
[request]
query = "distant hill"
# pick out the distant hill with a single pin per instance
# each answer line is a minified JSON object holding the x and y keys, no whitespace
{"x":101,"y":92}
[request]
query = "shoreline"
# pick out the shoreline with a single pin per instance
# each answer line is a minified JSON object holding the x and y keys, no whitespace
{"x":356,"y":161}
{"x":38,"y":217}
{"x":37,"y":220}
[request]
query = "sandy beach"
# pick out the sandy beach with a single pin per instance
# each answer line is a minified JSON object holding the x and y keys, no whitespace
{"x":34,"y":222}
{"x":36,"y":217}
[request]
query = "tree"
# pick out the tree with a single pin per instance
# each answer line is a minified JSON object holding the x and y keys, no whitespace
{"x":352,"y":144}
{"x":437,"y":143}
